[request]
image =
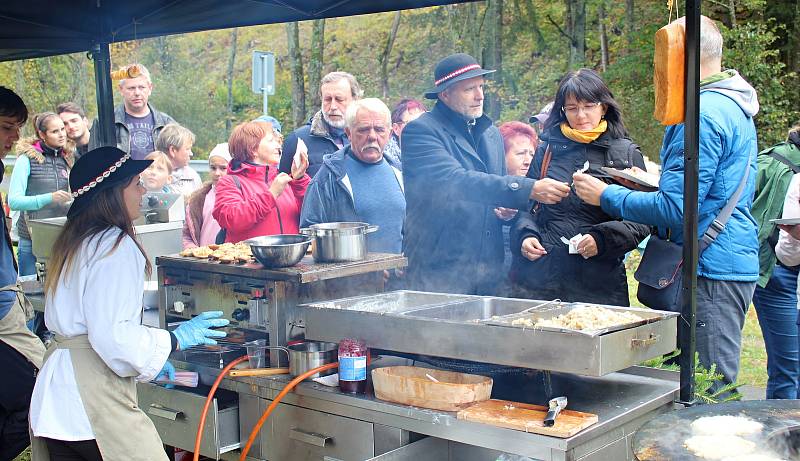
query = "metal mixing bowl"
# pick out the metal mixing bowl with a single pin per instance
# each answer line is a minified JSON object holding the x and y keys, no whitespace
{"x":282,"y":250}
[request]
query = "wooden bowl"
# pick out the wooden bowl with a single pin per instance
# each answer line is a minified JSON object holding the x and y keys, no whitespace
{"x":410,"y":386}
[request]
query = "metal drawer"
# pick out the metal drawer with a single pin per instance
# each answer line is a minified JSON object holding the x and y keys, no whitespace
{"x":427,"y":449}
{"x":176,"y":414}
{"x":299,"y":434}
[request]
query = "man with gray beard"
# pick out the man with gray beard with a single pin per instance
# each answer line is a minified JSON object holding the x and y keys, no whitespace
{"x":324,"y":133}
{"x":458,"y":194}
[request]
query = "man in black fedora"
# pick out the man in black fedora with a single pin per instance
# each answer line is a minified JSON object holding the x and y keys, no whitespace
{"x":457,"y":190}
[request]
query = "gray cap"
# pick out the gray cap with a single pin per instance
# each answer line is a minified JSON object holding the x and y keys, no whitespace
{"x":543,"y":114}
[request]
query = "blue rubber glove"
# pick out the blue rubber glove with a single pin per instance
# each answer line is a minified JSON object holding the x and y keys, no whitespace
{"x":198,"y":330}
{"x":168,"y":373}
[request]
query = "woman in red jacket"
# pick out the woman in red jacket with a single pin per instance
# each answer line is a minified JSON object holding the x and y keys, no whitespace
{"x":254,"y":199}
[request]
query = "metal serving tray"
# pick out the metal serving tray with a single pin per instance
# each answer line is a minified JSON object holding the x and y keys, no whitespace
{"x":465,"y":327}
{"x":480,"y":309}
{"x":554,"y":309}
{"x":394,"y":302}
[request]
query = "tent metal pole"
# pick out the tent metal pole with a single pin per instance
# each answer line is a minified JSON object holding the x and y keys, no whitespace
{"x":691,"y":140}
{"x":105,"y":98}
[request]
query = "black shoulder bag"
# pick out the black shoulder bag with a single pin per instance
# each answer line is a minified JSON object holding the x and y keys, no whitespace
{"x":659,"y":274}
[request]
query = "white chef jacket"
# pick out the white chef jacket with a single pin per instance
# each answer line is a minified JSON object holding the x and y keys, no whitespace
{"x":100,"y":296}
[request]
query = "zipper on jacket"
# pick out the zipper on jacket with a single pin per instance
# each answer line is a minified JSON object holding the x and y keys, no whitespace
{"x":266,"y":181}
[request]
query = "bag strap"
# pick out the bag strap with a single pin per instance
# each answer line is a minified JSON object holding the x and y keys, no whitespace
{"x":545,"y":162}
{"x":543,"y":172}
{"x":795,"y":169}
{"x":718,"y":224}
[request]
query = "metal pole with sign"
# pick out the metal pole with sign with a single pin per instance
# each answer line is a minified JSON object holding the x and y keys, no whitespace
{"x":264,"y":75}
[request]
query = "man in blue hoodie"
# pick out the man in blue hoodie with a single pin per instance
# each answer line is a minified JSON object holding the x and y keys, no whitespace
{"x":728,"y":268}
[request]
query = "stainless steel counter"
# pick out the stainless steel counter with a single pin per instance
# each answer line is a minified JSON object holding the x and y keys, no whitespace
{"x":306,"y":271}
{"x":623,"y":401}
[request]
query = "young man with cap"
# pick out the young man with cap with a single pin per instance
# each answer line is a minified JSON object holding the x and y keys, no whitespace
{"x":455,"y":178}
{"x":20,"y":350}
{"x":84,"y":404}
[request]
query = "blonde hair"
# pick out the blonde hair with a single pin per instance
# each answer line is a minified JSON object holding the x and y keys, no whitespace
{"x":160,"y":158}
{"x":175,"y":136}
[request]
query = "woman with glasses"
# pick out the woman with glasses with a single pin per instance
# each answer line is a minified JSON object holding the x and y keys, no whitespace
{"x":584,"y":131}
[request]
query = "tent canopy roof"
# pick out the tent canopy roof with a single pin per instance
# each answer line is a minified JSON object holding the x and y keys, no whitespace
{"x":37,"y":28}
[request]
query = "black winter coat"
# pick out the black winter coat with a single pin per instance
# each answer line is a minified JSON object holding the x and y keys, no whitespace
{"x":600,"y":279}
{"x":454,"y":176}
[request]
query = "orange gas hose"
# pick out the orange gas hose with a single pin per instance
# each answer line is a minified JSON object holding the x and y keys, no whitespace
{"x":199,"y":436}
{"x":275,"y":402}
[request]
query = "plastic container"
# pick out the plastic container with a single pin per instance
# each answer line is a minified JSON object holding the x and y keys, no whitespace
{"x":257,"y":353}
{"x":353,"y":366}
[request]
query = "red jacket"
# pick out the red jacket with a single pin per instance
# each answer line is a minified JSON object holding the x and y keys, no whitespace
{"x":249,"y":209}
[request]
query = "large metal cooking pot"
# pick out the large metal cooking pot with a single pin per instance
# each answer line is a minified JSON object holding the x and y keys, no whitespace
{"x":339,"y":241}
{"x":312,"y":354}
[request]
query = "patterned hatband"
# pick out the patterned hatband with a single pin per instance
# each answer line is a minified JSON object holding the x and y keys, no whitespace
{"x":86,"y":188}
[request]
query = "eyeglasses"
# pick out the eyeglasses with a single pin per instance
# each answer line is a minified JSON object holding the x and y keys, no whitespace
{"x":574,"y":109}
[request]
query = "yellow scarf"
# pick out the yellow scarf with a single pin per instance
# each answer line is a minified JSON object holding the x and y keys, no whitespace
{"x":584,"y":136}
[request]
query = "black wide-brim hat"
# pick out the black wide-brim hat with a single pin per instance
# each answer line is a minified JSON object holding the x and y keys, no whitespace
{"x":100,"y":169}
{"x":452,"y":69}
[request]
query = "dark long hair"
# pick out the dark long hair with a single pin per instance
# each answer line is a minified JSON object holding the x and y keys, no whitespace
{"x":586,"y":85}
{"x":107,"y":213}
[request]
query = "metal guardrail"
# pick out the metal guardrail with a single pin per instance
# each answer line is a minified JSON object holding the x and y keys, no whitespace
{"x":200,"y":166}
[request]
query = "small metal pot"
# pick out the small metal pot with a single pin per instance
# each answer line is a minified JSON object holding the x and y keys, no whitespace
{"x":312,"y":354}
{"x":339,"y":241}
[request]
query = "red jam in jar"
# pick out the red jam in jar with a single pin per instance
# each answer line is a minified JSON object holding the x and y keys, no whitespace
{"x":353,"y":366}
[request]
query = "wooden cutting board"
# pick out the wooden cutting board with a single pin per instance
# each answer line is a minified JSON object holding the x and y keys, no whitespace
{"x":527,"y":417}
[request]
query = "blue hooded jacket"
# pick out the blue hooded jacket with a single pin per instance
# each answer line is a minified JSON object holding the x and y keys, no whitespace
{"x":727,"y":147}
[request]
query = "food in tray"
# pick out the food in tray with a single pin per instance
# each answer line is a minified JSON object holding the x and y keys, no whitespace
{"x":226,"y":253}
{"x":583,"y":318}
{"x":719,"y":446}
{"x":726,"y":425}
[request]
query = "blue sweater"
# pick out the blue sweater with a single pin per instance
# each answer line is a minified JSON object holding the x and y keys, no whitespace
{"x":336,"y":195}
{"x":378,"y":200}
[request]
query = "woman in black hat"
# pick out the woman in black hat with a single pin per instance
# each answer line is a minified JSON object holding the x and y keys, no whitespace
{"x":583,"y":132}
{"x":84,"y":404}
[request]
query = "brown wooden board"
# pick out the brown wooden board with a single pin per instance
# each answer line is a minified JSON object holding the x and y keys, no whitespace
{"x":527,"y":417}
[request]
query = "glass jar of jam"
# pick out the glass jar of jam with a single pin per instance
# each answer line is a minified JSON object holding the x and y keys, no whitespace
{"x":353,"y":366}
